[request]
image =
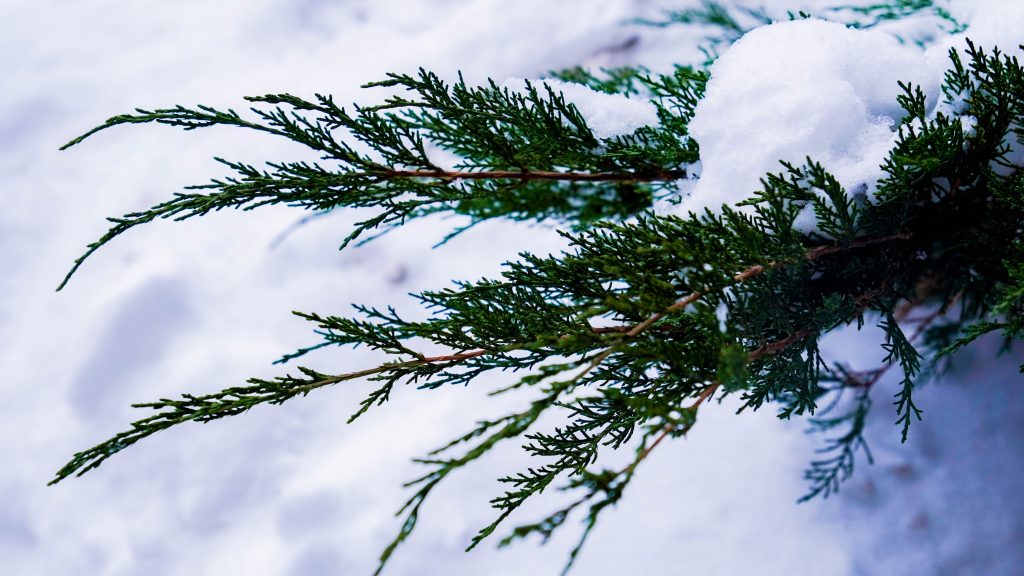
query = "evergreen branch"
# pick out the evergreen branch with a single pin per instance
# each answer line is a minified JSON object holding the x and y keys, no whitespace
{"x":672,"y":428}
{"x":230,"y":402}
{"x":826,"y":474}
{"x":613,"y":483}
{"x":510,"y":427}
{"x":883,"y":12}
{"x":188,"y":119}
{"x":319,"y":190}
{"x":610,"y":483}
{"x":901,"y":350}
{"x":646,"y":318}
{"x":520,"y":422}
{"x":510,"y":145}
{"x":747,"y":274}
{"x":236,"y":400}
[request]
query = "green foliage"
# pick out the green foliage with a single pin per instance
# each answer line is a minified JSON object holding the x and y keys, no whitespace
{"x":839,"y":453}
{"x":513,"y":148}
{"x":622,"y":338}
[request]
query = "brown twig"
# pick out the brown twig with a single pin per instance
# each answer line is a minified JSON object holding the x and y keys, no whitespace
{"x":660,"y":176}
{"x":451,"y":358}
{"x":820,"y":251}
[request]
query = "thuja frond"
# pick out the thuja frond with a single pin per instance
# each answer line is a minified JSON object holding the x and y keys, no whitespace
{"x":605,"y":488}
{"x":513,"y":148}
{"x":724,"y":23}
{"x":239,"y":399}
{"x":901,"y":351}
{"x":839,"y":453}
{"x":727,"y":22}
{"x":644,"y":317}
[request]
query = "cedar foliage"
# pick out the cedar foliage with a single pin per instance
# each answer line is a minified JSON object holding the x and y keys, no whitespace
{"x":646,"y":317}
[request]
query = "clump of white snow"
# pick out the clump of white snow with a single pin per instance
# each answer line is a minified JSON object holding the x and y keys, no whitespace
{"x":607,"y":115}
{"x":792,"y":90}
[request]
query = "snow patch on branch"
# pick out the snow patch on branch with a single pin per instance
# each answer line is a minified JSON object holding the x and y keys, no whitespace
{"x":793,"y":90}
{"x":607,"y":115}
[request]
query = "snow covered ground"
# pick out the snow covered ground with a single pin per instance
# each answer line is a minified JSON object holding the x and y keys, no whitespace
{"x":199,"y":305}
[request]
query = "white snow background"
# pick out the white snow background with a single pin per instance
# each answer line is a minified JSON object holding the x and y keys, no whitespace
{"x":199,"y":305}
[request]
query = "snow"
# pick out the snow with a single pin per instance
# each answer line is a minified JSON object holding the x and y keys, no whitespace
{"x":815,"y":89}
{"x":607,"y":115}
{"x":793,"y":90}
{"x":948,"y":501}
{"x":199,"y":305}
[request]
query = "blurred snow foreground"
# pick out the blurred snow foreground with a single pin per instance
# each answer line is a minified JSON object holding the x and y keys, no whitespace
{"x":288,"y":490}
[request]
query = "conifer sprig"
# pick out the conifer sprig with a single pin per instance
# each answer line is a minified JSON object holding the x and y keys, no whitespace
{"x":645,"y":317}
{"x":520,"y":154}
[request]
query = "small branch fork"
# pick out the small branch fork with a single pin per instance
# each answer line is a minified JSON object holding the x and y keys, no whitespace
{"x":671,"y":427}
{"x":448,"y":358}
{"x":747,"y":274}
{"x":709,"y":390}
{"x":866,"y":379}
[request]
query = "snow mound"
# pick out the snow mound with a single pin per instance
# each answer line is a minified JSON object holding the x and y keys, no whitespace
{"x":792,"y":90}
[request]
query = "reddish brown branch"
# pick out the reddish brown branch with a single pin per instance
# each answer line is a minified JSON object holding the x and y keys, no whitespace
{"x":820,"y":251}
{"x":766,"y":350}
{"x":660,"y":176}
{"x":779,"y":345}
{"x":747,"y":274}
{"x":451,"y":357}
